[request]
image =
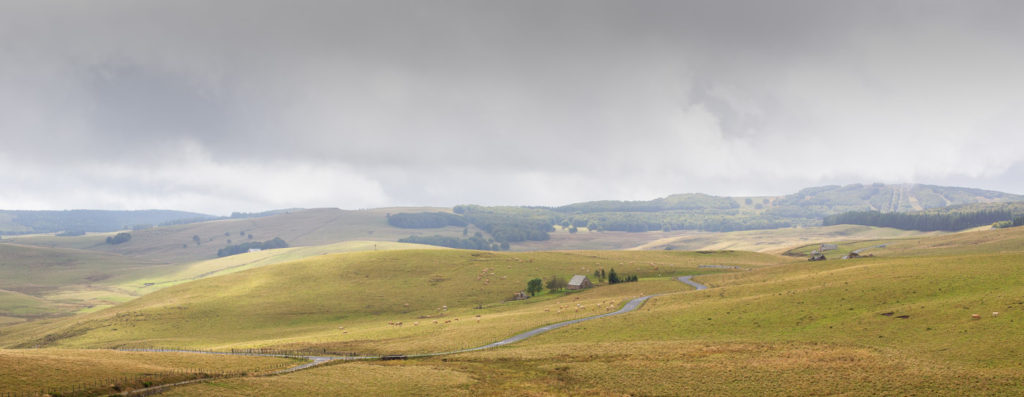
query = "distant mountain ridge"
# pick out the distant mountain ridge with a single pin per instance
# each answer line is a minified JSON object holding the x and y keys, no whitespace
{"x":81,"y":221}
{"x":678,"y":211}
{"x":827,"y":200}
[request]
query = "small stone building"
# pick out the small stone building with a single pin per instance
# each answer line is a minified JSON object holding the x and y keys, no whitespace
{"x":579,"y":282}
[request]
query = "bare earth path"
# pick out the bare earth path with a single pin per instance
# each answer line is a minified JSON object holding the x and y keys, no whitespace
{"x":318,"y":360}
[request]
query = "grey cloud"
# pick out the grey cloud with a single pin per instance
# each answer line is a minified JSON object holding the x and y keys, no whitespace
{"x":428,"y":99}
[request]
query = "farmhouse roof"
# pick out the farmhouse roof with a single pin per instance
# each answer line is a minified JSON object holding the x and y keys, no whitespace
{"x":577,"y":280}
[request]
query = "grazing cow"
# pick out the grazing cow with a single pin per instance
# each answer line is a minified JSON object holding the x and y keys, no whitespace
{"x":995,"y":314}
{"x":976,"y":316}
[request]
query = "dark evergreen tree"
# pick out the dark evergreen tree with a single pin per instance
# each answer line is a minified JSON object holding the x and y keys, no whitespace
{"x":612,"y":277}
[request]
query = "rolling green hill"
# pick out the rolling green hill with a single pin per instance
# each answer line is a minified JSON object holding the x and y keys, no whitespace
{"x":39,"y":282}
{"x":896,"y":323}
{"x":175,"y":243}
{"x":305,"y":300}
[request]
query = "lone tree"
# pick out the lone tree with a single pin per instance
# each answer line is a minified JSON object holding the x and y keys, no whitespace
{"x":195,"y":237}
{"x":556,"y":283}
{"x":534,"y":286}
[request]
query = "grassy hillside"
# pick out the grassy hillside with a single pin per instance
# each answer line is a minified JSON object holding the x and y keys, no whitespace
{"x":175,"y":244}
{"x":37,"y":282}
{"x":305,"y":301}
{"x":42,"y":282}
{"x":778,"y":240}
{"x":896,"y":324}
{"x":25,"y":371}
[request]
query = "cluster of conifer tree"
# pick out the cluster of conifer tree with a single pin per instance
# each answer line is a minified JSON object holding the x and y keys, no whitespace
{"x":277,"y":242}
{"x":920,"y":221}
{"x":614,"y":278}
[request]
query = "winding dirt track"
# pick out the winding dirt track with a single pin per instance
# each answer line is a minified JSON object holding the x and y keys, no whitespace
{"x":318,"y":360}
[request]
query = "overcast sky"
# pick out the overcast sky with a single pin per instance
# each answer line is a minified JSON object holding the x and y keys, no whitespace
{"x":220,"y":106}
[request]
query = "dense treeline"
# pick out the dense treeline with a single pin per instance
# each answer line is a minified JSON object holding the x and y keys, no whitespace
{"x":476,"y":242}
{"x":1015,"y":222}
{"x":511,"y":224}
{"x":277,"y":242}
{"x":920,"y":221}
{"x":425,"y":220}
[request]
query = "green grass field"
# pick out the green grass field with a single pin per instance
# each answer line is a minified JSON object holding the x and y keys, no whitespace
{"x":305,"y":301}
{"x":38,"y":282}
{"x":898,"y":323}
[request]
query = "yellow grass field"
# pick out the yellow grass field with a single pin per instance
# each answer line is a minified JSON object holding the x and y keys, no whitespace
{"x":31,"y":370}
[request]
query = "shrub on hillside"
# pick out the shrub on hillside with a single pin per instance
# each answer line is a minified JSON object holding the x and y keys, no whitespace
{"x":277,"y":242}
{"x":119,"y":238}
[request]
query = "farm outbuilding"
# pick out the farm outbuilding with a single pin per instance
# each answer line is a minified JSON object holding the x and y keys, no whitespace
{"x":579,"y":282}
